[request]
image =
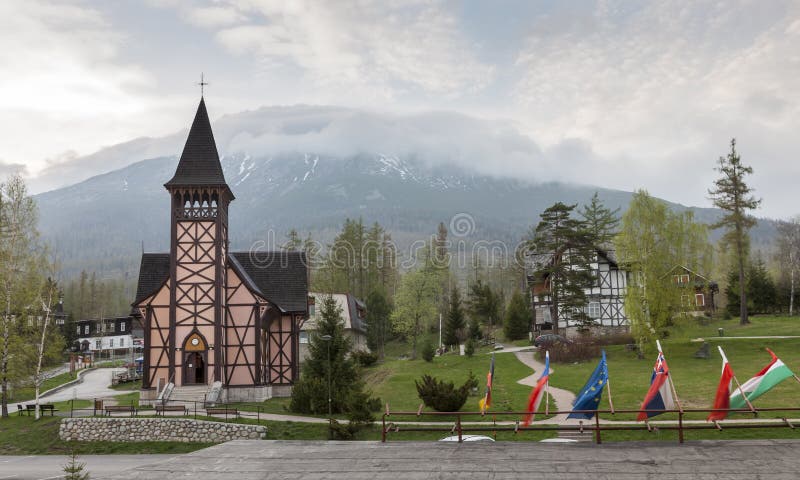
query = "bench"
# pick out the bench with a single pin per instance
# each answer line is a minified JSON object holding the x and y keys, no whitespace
{"x":160,"y":409}
{"x":120,"y":408}
{"x":32,"y":409}
{"x":223,"y":411}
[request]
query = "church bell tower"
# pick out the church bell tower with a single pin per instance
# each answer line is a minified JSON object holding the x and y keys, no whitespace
{"x":198,"y":252}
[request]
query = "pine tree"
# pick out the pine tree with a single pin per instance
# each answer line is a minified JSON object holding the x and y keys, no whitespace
{"x":74,"y":469}
{"x":760,"y":287}
{"x":454,"y":328}
{"x":378,"y":312}
{"x":328,"y":361}
{"x":566,"y":243}
{"x":518,"y":318}
{"x":485,"y":304}
{"x":732,"y":194}
{"x":601,"y":222}
{"x":293,"y":241}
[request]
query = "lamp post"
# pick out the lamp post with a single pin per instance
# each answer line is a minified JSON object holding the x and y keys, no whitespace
{"x":327,"y":339}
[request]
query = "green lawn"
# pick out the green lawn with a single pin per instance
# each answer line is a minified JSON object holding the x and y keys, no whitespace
{"x":28,"y":393}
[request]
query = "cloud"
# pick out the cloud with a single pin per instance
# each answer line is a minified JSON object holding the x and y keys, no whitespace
{"x":381,"y":49}
{"x":64,"y":86}
{"x":659,"y":88}
{"x":436,"y":138}
{"x":7,"y":169}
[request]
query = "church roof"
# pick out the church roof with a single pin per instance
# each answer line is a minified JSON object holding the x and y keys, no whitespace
{"x":199,"y":163}
{"x":280,"y":277}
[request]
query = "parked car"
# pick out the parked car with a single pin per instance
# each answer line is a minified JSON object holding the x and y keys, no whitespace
{"x":468,"y":438}
{"x":549,"y":339}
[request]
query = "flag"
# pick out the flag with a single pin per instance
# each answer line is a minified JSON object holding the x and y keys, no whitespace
{"x":589,"y":397}
{"x":768,"y":377}
{"x":538,"y":391}
{"x":659,"y":396}
{"x":723,"y":398}
{"x":486,"y":401}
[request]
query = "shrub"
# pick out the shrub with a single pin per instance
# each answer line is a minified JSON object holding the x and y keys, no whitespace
{"x":444,"y":396}
{"x":428,"y":351}
{"x":469,"y":348}
{"x":561,"y":352}
{"x":614,"y":339}
{"x":365,"y":358}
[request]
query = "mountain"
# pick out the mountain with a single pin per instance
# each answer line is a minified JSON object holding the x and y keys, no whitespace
{"x":104,"y":222}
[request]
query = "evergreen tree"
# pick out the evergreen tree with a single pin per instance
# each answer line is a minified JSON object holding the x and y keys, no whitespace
{"x":83,"y":297}
{"x":474,"y":330}
{"x":760,"y":288}
{"x":732,"y":194}
{"x":293,"y":241}
{"x":601,"y":222}
{"x":74,"y":469}
{"x":328,"y":361}
{"x":565,"y":243}
{"x":518,"y":318}
{"x":454,"y":328}
{"x":485,"y":304}
{"x":378,"y":312}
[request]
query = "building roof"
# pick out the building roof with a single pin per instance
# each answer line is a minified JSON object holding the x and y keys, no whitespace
{"x":349,"y":304}
{"x":199,"y":163}
{"x":153,"y":271}
{"x":280,"y":277}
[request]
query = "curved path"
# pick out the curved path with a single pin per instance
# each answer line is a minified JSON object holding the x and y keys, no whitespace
{"x":93,"y":384}
{"x":562,"y":398}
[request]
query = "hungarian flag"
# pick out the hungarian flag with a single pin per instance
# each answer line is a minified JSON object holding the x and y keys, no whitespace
{"x":538,"y":391}
{"x":486,"y":401}
{"x":723,"y":399}
{"x":659,"y":396}
{"x":768,"y":377}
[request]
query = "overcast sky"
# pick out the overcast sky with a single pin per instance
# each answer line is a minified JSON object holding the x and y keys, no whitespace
{"x":618,"y":94}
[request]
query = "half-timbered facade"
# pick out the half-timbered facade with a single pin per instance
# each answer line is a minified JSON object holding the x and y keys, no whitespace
{"x":212,"y":316}
{"x":605,"y":298}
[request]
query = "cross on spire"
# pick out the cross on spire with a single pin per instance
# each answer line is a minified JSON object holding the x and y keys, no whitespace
{"x":202,"y":84}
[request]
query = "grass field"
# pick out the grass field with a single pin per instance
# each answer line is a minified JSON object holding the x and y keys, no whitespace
{"x":28,"y":393}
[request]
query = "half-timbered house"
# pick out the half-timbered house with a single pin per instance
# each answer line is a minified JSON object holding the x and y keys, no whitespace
{"x":212,"y":317}
{"x":605,"y":298}
{"x":698,"y":293}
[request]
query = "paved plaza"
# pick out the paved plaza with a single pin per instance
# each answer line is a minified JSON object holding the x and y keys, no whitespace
{"x":245,"y":460}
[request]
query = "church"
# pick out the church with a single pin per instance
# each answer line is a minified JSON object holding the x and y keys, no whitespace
{"x":212,"y":318}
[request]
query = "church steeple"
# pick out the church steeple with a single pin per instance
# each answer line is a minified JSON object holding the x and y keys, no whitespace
{"x":199,"y":165}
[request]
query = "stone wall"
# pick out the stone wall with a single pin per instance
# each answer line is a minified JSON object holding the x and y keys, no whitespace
{"x":155,"y":429}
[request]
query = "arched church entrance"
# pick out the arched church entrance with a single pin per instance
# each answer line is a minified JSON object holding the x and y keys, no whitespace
{"x":195,"y":360}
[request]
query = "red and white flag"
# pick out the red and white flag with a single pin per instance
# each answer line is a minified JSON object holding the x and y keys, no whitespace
{"x":722,"y":402}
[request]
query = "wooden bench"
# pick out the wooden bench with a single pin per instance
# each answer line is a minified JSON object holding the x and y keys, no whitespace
{"x":160,"y":409}
{"x":120,"y":408}
{"x":45,"y":407}
{"x":223,"y":411}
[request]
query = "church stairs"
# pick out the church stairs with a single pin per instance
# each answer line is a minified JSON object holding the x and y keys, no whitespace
{"x":189,"y":394}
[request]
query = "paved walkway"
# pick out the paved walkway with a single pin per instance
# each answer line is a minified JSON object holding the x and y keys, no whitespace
{"x":94,"y":384}
{"x":250,"y":460}
{"x":769,"y":337}
{"x":562,"y":398}
{"x":17,"y":467}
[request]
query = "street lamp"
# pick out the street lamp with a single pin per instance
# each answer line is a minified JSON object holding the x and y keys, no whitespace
{"x":327,"y":339}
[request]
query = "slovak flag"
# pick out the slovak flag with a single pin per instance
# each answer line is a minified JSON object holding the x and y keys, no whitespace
{"x":723,"y":399}
{"x":538,"y":391}
{"x":659,"y":396}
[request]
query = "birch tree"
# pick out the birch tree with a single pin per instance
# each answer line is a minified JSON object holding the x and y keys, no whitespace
{"x":19,"y":245}
{"x":415,"y":305}
{"x":46,"y":340}
{"x":789,"y":254}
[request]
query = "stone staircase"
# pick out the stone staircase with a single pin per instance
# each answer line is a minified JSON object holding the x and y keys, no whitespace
{"x":189,"y":394}
{"x":575,"y":435}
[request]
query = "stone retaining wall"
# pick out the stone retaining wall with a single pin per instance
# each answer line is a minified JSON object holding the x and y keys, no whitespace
{"x":155,"y":429}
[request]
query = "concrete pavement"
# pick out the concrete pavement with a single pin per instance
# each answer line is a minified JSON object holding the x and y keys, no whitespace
{"x":19,"y":467}
{"x":250,"y":460}
{"x":94,"y":384}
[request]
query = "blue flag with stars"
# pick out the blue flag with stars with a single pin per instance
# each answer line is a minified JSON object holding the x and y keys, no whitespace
{"x":589,"y":395}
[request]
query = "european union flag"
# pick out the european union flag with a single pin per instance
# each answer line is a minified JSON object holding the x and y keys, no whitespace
{"x":589,"y":395}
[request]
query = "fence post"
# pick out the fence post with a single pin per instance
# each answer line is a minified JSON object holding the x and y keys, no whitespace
{"x":258,"y":413}
{"x":597,"y":428}
{"x":71,"y":407}
{"x":383,"y":428}
{"x":458,"y":424}
{"x":195,"y":409}
{"x":680,"y":426}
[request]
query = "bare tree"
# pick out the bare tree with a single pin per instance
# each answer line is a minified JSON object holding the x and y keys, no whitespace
{"x":48,"y":300}
{"x":789,"y":253}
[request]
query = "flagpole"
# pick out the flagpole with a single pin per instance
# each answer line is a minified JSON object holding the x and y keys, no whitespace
{"x":608,"y":385}
{"x":547,"y":397}
{"x":738,"y":385}
{"x":669,"y":379}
